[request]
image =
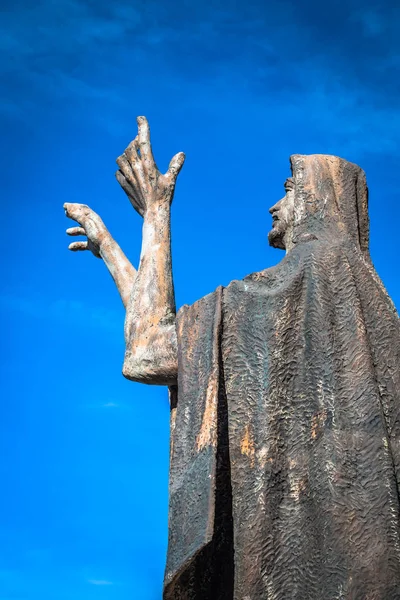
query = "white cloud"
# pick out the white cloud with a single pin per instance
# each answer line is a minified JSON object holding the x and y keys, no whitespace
{"x":99,"y":582}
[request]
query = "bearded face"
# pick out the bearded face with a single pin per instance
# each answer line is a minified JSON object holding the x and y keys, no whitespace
{"x":282,"y":217}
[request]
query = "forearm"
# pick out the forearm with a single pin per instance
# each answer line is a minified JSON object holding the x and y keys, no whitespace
{"x":101,"y":244}
{"x":151,"y":348}
{"x":155,"y":288}
{"x":121,"y":270}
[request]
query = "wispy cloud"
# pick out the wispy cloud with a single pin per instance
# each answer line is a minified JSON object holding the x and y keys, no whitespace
{"x":119,"y":407}
{"x":99,"y":582}
{"x":105,"y":54}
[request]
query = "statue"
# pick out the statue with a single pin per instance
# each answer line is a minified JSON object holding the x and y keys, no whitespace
{"x":284,"y":389}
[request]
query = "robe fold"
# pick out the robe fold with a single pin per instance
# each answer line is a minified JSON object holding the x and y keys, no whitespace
{"x":285,"y":437}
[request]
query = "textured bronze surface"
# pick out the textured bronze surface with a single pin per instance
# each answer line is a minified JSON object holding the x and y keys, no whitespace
{"x":285,"y":395}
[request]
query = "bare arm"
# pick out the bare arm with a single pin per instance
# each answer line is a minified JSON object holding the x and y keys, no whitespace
{"x":148,"y":295}
{"x":101,"y":244}
{"x":150,"y":336}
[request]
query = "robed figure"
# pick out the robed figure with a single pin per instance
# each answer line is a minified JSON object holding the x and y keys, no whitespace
{"x":285,"y":394}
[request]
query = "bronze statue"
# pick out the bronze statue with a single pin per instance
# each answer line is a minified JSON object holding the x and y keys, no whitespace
{"x":285,"y":394}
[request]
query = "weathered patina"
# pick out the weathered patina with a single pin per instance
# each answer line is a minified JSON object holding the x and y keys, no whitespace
{"x":285,"y":394}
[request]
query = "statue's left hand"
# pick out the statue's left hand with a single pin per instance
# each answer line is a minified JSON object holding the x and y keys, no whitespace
{"x":91,"y":226}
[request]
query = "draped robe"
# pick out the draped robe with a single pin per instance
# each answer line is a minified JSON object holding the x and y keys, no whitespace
{"x":285,"y":431}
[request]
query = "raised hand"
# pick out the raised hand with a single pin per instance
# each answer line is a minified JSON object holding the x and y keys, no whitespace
{"x":91,"y":226}
{"x":100,"y":242}
{"x":139,"y":176}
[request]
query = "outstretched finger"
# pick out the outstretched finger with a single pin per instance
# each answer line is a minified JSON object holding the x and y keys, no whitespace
{"x":132,"y":150}
{"x":76,"y":246}
{"x":76,"y":231}
{"x":175,"y":165}
{"x":144,"y":141}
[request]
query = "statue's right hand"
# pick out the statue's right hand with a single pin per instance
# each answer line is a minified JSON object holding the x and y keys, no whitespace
{"x":138,"y":174}
{"x":91,"y":226}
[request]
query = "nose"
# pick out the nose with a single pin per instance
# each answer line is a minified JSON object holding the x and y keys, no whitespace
{"x":274,"y":209}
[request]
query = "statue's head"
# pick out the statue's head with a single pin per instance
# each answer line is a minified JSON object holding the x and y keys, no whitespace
{"x":282,"y":217}
{"x":326,"y":198}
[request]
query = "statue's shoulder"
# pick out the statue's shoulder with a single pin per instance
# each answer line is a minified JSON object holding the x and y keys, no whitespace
{"x":252,"y":281}
{"x":205,"y":301}
{"x":273,"y":278}
{"x":268,"y":275}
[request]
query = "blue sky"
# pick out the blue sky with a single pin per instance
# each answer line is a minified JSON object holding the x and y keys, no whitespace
{"x":238,"y":86}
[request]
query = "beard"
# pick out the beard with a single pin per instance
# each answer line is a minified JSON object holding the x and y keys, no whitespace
{"x":276,"y":236}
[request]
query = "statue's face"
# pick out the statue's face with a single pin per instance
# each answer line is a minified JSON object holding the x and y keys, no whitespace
{"x":282,"y":217}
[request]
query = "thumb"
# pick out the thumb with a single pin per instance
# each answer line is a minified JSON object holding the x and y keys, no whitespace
{"x":175,"y":165}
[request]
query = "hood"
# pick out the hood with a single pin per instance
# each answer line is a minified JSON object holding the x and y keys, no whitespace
{"x":331,"y":200}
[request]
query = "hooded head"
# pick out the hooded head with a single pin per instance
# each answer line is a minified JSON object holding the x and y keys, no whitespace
{"x":326,"y":198}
